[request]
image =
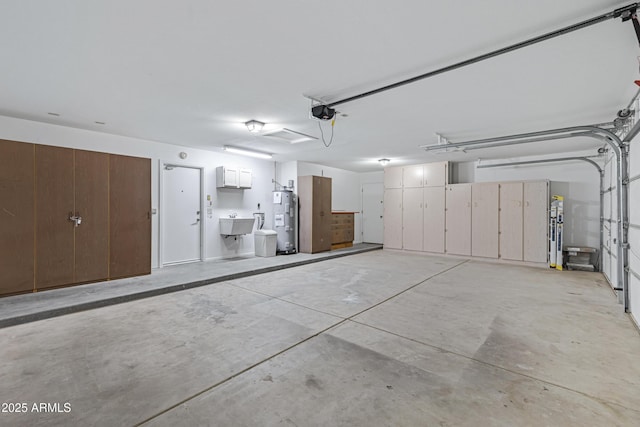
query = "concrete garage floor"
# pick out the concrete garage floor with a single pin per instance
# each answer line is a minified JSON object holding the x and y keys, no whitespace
{"x":374,"y":339}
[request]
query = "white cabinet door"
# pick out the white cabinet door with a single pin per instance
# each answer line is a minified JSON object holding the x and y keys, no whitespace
{"x":511,"y":217}
{"x":412,"y":219}
{"x":393,"y":218}
{"x":244,"y":178}
{"x":435,"y":174}
{"x":434,"y":205}
{"x":393,"y":177}
{"x":484,"y":220}
{"x":230,"y":177}
{"x":226,"y":177}
{"x":536,"y":225}
{"x":412,"y":176}
{"x":458,"y":219}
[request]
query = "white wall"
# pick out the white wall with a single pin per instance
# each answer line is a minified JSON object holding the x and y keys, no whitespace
{"x":463,"y":172}
{"x":244,"y":202}
{"x":578,"y":182}
{"x":372,"y":177}
{"x":285,"y":172}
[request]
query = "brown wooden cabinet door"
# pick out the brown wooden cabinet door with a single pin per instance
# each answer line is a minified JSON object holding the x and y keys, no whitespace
{"x":129,"y":216}
{"x":322,"y":194}
{"x":314,"y":198}
{"x":305,"y":213}
{"x":92,"y":204}
{"x":54,"y":205}
{"x":16,"y":217}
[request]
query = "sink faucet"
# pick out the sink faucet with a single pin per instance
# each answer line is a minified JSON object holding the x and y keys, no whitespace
{"x":233,"y":214}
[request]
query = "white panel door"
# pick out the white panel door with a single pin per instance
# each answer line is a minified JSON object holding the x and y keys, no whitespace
{"x":435,"y":174}
{"x":434,"y":205}
{"x":458,"y":219}
{"x":393,"y":177}
{"x":393,"y":218}
{"x":181,"y":225}
{"x":412,"y":176}
{"x":372,"y":213}
{"x":484,"y":220}
{"x":536,"y":224}
{"x":412,"y":219}
{"x":511,"y":217}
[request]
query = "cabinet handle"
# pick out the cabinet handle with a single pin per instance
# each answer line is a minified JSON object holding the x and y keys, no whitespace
{"x":76,"y":219}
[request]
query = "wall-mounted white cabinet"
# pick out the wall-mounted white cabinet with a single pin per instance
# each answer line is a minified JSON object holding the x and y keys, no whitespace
{"x":233,"y":177}
{"x":414,"y":176}
{"x":393,"y":177}
{"x":427,"y":175}
{"x":436,"y":174}
{"x":244,"y":178}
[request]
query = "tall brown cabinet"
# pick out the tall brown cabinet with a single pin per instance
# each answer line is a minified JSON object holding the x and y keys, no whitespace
{"x":43,"y":188}
{"x":314,"y":199}
{"x":129,"y":216}
{"x":17,"y":236}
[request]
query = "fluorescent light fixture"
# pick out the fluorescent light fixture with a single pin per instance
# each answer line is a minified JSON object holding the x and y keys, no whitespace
{"x":384,"y":162}
{"x":244,"y":152}
{"x":254,"y":126}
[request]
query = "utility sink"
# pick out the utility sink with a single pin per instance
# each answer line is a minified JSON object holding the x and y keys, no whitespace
{"x":236,"y":226}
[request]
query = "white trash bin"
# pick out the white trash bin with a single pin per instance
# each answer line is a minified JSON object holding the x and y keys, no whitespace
{"x":266,"y":242}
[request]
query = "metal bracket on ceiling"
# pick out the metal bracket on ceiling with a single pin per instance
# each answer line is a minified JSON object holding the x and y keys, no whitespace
{"x":628,"y":13}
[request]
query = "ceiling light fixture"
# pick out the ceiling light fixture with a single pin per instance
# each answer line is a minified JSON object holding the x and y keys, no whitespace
{"x":254,"y":126}
{"x":244,"y":152}
{"x":384,"y":162}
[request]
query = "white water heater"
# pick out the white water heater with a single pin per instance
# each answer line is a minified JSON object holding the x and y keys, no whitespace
{"x":284,"y":209}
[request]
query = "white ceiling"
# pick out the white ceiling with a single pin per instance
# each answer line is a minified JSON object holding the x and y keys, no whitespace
{"x":191,"y":72}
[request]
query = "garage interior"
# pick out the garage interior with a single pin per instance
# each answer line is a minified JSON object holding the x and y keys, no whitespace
{"x":271,"y":213}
